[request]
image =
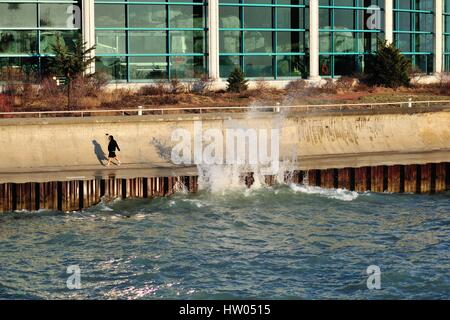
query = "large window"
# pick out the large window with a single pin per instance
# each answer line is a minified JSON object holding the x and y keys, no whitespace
{"x":413,"y":32}
{"x":265,"y":38}
{"x":348,"y":32}
{"x":148,"y":40}
{"x":29,"y":28}
{"x":447,"y":35}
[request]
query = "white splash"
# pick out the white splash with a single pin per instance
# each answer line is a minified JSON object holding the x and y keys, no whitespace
{"x":180,"y":187}
{"x":338,"y":194}
{"x":226,"y":178}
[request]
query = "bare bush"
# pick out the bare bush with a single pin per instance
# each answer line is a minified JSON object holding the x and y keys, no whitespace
{"x":260,"y":90}
{"x":329,"y":85}
{"x":176,"y":86}
{"x":444,"y":83}
{"x":89,"y":103}
{"x":156,"y":89}
{"x":262,"y":85}
{"x":29,"y":93}
{"x":110,"y":98}
{"x":168,"y":99}
{"x":5,"y":105}
{"x":296,"y":85}
{"x":345,"y":83}
{"x":363,"y":87}
{"x":48,"y":87}
{"x":99,"y":81}
{"x":13,"y":88}
{"x":80,"y":88}
{"x":201,"y":85}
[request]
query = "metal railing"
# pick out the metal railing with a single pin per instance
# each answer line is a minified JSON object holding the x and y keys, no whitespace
{"x":385,"y":106}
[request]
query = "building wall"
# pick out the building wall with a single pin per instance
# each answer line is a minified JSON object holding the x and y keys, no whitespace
{"x":150,"y":40}
{"x":147,"y":40}
{"x":446,"y":34}
{"x":345,"y":36}
{"x":414,"y":33}
{"x":28,"y":30}
{"x":265,"y":38}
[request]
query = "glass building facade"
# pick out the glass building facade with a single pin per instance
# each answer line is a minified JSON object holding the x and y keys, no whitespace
{"x":446,"y":34}
{"x":29,"y":28}
{"x":414,"y":32}
{"x":348,"y":32}
{"x":150,"y":40}
{"x":265,"y":38}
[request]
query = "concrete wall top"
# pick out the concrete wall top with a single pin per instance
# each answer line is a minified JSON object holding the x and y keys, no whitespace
{"x":314,"y":140}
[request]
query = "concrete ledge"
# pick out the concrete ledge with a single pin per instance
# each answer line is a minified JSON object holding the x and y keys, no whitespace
{"x":320,"y":140}
{"x":372,"y":159}
{"x":286,"y":112}
{"x":136,"y":170}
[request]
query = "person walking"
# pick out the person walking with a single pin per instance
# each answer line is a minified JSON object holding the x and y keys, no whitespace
{"x":112,"y":146}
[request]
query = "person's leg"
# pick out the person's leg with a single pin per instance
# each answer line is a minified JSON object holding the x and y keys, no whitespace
{"x":118,"y":161}
{"x":109,"y":162}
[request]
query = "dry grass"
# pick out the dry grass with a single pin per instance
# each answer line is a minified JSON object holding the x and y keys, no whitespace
{"x":90,"y":94}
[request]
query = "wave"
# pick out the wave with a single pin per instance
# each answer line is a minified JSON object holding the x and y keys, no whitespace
{"x":338,"y":194}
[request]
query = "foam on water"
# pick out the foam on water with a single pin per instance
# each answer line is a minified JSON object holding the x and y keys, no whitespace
{"x":219,"y":178}
{"x":338,"y":194}
{"x":180,"y":188}
{"x":223,"y":179}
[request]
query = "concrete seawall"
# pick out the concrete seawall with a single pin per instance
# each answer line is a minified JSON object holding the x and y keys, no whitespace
{"x":56,"y":164}
{"x":317,"y":141}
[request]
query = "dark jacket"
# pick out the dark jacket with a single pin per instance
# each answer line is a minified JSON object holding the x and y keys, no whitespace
{"x":112,"y":146}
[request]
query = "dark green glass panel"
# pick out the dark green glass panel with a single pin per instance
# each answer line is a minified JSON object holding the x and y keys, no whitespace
{"x":147,"y":16}
{"x":290,"y":42}
{"x":148,"y":68}
{"x":143,"y":42}
{"x":18,"y":42}
{"x":109,"y":16}
{"x":115,"y":67}
{"x":18,"y":15}
{"x":325,"y":65}
{"x":258,"y":41}
{"x":187,"y":41}
{"x":258,"y":17}
{"x":55,"y":15}
{"x":292,"y":66}
{"x":347,"y":65}
{"x":227,"y":65}
{"x":187,"y":67}
{"x":230,"y":41}
{"x":110,"y":42}
{"x":187,"y":16}
{"x":258,"y":66}
{"x":325,"y":40}
{"x":49,"y":38}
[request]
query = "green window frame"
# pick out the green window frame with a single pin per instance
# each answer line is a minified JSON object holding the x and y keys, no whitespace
{"x":446,"y":33}
{"x":163,"y":41}
{"x":411,"y":34}
{"x":264,"y":38}
{"x":25,"y":42}
{"x":340,"y":55}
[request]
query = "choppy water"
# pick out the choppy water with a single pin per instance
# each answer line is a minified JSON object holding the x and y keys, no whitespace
{"x":286,"y":242}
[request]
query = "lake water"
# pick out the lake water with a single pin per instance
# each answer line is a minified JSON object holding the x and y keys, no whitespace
{"x":286,"y":242}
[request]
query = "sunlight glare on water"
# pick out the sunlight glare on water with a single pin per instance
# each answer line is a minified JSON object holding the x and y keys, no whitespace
{"x":290,"y":241}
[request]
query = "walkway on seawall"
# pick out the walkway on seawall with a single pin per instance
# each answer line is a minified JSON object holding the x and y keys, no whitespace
{"x":398,"y":150}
